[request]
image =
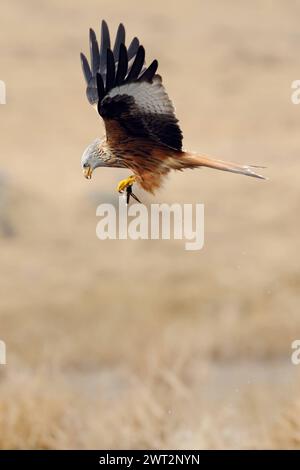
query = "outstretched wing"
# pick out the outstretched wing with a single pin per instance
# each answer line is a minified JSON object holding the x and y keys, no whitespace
{"x":131,"y":98}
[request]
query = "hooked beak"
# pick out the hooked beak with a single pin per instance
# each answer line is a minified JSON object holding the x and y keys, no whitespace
{"x":87,"y":171}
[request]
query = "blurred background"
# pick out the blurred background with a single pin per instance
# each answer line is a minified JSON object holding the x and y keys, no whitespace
{"x":141,"y":344}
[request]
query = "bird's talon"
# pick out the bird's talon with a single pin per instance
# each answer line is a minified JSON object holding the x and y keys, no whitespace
{"x":126,"y":183}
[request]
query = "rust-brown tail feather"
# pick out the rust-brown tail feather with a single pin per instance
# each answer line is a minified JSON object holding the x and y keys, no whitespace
{"x":188,"y":160}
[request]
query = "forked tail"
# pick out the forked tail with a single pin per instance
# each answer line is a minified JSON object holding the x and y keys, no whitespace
{"x":188,"y":160}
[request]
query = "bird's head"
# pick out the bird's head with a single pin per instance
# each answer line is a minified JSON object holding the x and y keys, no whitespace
{"x":94,"y":156}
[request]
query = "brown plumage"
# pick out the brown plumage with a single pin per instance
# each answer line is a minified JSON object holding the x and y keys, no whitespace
{"x":142,"y":131}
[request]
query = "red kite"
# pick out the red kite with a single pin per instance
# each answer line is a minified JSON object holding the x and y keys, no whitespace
{"x":142,"y":131}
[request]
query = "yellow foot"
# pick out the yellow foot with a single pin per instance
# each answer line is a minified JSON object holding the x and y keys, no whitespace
{"x":124,"y":184}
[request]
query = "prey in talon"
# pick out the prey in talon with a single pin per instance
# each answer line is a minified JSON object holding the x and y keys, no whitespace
{"x":142,"y":131}
{"x":130,"y":193}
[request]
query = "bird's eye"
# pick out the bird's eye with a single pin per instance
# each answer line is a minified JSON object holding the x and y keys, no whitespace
{"x":85,"y":165}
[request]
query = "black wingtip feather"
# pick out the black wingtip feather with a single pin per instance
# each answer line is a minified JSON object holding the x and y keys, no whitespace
{"x":149,"y":73}
{"x":110,"y":73}
{"x":122,"y":65}
{"x":94,"y":52}
{"x":133,"y":48}
{"x":100,"y":87}
{"x":120,"y":39}
{"x":112,"y":65}
{"x":105,"y":44}
{"x":85,"y":68}
{"x":137,"y":65}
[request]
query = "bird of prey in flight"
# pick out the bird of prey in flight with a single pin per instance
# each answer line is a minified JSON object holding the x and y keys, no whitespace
{"x":142,"y":131}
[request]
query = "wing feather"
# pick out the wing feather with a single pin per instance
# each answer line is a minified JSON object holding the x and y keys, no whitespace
{"x":137,"y":65}
{"x":149,"y":73}
{"x":122,"y":65}
{"x":120,"y":39}
{"x":110,"y":72}
{"x":105,"y":45}
{"x":133,"y":48}
{"x":94,"y":52}
{"x":100,"y":87}
{"x":85,"y":68}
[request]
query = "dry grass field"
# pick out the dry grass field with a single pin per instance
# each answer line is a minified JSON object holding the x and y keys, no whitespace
{"x":141,"y":344}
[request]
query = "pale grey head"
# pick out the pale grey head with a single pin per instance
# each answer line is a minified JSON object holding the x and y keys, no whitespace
{"x":99,"y":154}
{"x":93,"y":157}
